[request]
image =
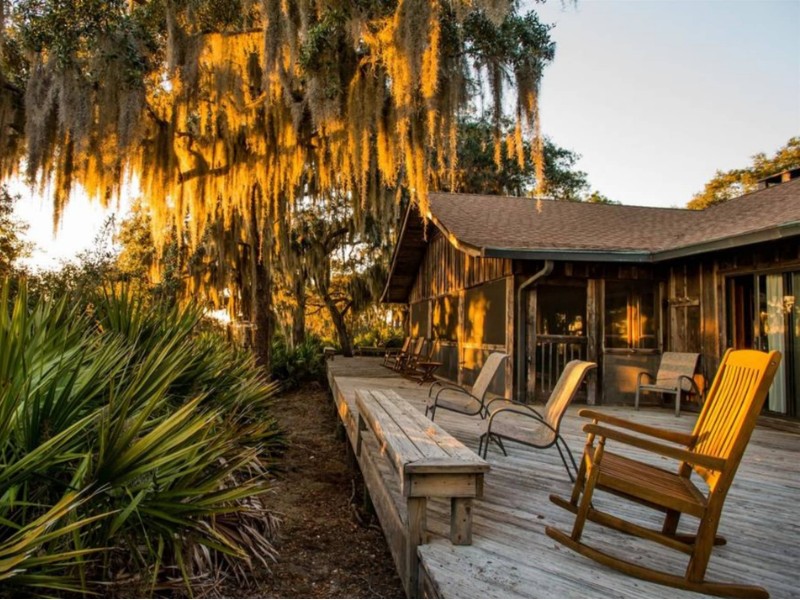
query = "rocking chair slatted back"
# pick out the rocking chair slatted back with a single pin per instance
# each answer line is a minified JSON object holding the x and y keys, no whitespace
{"x":729,"y":414}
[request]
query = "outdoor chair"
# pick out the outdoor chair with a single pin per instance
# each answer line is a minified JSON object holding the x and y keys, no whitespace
{"x":399,"y":361}
{"x":450,"y":396}
{"x":712,"y":451}
{"x":675,"y":376}
{"x":524,"y":424}
{"x":391,"y":353}
{"x":423,"y":370}
{"x":419,"y":354}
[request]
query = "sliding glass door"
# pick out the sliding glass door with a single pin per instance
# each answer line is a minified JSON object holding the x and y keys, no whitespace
{"x":764,"y":313}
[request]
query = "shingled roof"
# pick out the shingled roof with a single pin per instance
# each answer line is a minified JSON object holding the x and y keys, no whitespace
{"x":529,"y":229}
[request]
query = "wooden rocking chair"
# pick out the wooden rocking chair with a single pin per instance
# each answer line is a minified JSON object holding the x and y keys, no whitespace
{"x":391,"y":354}
{"x":713,"y":450}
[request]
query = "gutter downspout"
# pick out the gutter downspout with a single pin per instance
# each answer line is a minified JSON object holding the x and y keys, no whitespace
{"x":521,"y":362}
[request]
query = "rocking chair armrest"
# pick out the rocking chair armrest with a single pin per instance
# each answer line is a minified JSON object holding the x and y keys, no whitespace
{"x":693,"y":458}
{"x":677,"y":437}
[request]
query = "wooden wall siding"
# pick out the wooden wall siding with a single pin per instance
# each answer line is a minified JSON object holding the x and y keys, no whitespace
{"x":445,"y":270}
{"x":684,"y":301}
{"x":565,"y":272}
{"x":695,"y":320}
{"x":778,"y":255}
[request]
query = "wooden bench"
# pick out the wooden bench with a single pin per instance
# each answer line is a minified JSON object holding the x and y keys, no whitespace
{"x":424,"y":462}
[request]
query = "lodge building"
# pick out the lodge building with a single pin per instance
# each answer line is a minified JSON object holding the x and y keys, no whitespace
{"x":547,"y":281}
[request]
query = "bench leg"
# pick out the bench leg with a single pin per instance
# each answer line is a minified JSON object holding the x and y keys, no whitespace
{"x":417,"y":516}
{"x":461,"y":521}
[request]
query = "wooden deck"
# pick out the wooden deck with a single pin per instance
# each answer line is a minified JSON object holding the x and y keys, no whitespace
{"x":511,"y":556}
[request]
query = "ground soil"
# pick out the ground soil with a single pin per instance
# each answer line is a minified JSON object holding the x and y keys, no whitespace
{"x":330,"y":546}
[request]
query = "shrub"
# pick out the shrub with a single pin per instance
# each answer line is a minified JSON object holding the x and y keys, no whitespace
{"x":132,"y":445}
{"x":383,"y":335}
{"x":302,"y":364}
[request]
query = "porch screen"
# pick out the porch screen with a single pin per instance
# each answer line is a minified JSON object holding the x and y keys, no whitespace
{"x":445,"y":318}
{"x":419,"y":319}
{"x":485,"y":314}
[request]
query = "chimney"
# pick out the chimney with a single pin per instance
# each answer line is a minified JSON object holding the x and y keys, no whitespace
{"x":779,"y":178}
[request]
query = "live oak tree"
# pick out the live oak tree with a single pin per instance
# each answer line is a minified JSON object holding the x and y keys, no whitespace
{"x":735,"y":182}
{"x":224,"y":112}
{"x":13,"y":245}
{"x":483,"y":167}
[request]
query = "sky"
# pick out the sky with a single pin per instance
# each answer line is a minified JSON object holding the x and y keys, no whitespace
{"x":655,"y":95}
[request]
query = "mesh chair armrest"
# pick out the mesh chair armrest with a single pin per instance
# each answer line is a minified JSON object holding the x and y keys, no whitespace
{"x":643,"y":374}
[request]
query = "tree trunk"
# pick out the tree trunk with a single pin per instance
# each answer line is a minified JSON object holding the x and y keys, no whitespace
{"x":338,"y":322}
{"x":261,"y":298}
{"x":299,"y":317}
{"x":263,"y":320}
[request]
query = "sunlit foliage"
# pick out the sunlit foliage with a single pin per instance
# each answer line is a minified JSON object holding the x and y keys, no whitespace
{"x":735,"y":182}
{"x":234,"y":107}
{"x":479,"y":172}
{"x":13,"y":245}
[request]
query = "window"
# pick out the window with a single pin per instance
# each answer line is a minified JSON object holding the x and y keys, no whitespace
{"x":630,"y":308}
{"x":562,"y":310}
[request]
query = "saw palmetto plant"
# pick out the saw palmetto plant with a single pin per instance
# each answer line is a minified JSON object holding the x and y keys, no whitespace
{"x":133,"y":449}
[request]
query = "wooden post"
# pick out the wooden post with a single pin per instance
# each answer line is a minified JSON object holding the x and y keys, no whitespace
{"x":461,"y":329}
{"x":594,"y":327}
{"x":417,"y":522}
{"x":461,"y":521}
{"x":514,"y":362}
{"x":529,"y":308}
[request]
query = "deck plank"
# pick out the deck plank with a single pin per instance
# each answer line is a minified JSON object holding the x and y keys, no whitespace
{"x":512,"y":557}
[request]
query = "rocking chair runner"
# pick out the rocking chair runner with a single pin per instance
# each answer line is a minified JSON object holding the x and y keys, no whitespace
{"x":713,"y":450}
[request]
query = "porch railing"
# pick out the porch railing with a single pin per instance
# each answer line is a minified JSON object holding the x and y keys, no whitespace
{"x":553,"y":352}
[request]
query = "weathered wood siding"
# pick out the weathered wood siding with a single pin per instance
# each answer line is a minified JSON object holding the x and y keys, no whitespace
{"x":445,"y":270}
{"x":467,"y":302}
{"x":694,"y":317}
{"x":696,"y":305}
{"x":691,"y":307}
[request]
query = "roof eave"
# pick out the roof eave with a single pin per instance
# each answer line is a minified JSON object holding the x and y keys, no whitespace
{"x":616,"y":256}
{"x":394,"y":256}
{"x":786,"y":230}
